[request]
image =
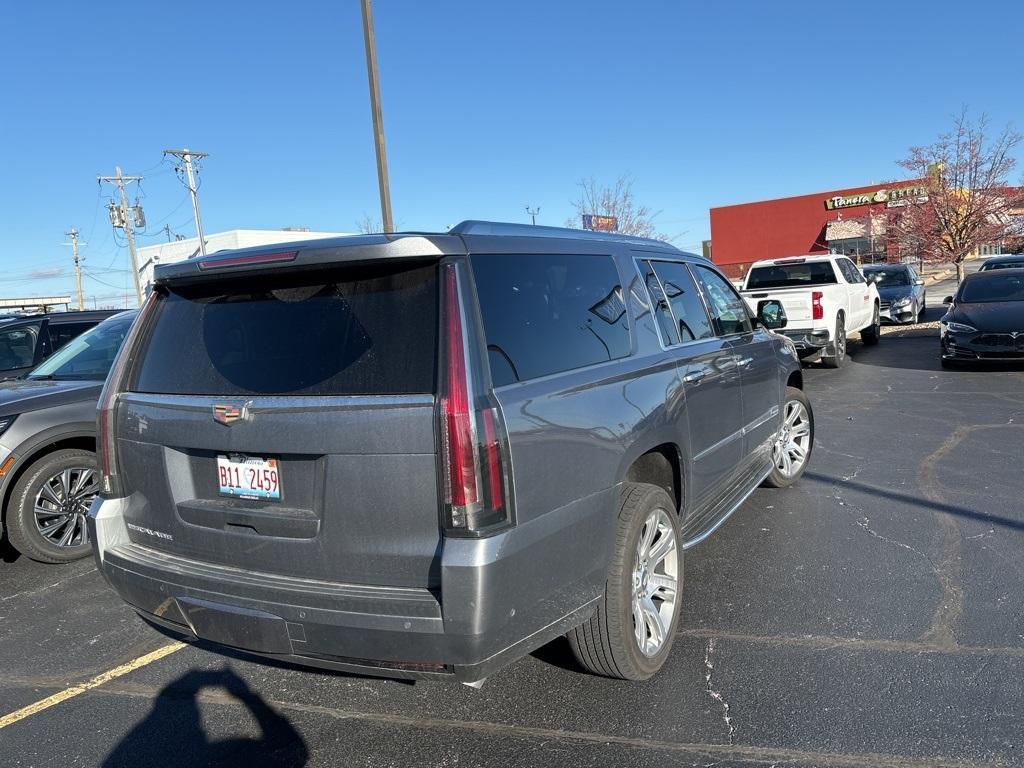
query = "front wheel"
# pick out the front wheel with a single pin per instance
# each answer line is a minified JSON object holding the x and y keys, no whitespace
{"x":630,"y":635}
{"x":871,"y":334}
{"x":791,"y":450}
{"x":46,"y":516}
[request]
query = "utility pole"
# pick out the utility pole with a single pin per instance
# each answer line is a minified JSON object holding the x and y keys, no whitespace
{"x":370,"y":41}
{"x":167,"y":230}
{"x":119,"y":218}
{"x":533,"y":214}
{"x":186,"y":157}
{"x":73,"y":234}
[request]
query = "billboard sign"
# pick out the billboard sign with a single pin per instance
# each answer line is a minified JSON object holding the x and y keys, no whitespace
{"x":600,"y":223}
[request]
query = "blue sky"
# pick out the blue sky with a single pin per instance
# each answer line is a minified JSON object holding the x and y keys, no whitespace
{"x":488,"y":106}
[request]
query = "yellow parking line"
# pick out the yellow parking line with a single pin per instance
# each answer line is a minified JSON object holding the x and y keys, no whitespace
{"x":100,"y":679}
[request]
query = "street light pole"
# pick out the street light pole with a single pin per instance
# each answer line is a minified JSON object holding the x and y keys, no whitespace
{"x":533,"y":214}
{"x":370,"y":41}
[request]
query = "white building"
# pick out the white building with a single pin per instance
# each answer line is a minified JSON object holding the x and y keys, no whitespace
{"x":179,"y":250}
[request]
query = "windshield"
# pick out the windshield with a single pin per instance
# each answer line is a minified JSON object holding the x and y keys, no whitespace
{"x":791,"y":275}
{"x":988,"y":288}
{"x":889,"y":278}
{"x":1002,"y":265}
{"x":90,"y":355}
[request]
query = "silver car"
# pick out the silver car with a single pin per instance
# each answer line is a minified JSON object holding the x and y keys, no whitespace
{"x":427,"y":455}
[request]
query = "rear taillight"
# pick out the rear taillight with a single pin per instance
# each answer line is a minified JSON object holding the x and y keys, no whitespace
{"x":817,"y":311}
{"x":107,"y":409}
{"x":474,"y":445}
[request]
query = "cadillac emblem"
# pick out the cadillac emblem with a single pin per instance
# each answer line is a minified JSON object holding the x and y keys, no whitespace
{"x":227,"y":414}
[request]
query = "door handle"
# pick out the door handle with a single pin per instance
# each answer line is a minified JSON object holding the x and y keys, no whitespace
{"x":693,"y":377}
{"x":742,"y":362}
{"x":725,"y":363}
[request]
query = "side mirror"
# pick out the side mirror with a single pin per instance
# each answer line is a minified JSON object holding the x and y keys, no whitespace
{"x":948,"y":300}
{"x":870,"y":278}
{"x":919,"y":281}
{"x":771,"y":314}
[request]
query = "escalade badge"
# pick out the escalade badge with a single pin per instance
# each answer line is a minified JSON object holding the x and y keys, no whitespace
{"x":227,"y":414}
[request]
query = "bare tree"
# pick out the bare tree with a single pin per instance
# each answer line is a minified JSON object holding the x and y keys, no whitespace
{"x":618,"y":201}
{"x":969,"y":202}
{"x":368,"y":225}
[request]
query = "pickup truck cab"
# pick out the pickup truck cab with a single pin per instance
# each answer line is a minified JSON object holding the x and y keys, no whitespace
{"x":825,"y":297}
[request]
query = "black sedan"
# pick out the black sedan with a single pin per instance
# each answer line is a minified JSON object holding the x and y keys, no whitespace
{"x":985,"y":320}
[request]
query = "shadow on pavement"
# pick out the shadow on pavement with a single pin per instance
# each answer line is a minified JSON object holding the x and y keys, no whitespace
{"x":172,"y":733}
{"x":917,"y":501}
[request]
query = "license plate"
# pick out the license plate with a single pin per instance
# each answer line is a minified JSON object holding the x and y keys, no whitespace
{"x":249,"y":477}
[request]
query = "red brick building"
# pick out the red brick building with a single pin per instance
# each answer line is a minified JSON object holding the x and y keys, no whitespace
{"x":851,"y":221}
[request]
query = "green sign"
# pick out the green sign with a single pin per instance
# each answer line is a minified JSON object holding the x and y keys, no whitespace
{"x":892,"y":198}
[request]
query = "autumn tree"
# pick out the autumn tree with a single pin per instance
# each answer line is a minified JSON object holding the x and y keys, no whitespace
{"x":616,"y":200}
{"x":969,"y":201}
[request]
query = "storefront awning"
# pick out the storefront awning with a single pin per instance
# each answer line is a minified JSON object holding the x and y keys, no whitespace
{"x":860,"y":226}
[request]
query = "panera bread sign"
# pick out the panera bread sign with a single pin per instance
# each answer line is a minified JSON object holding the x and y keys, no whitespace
{"x":893,"y":198}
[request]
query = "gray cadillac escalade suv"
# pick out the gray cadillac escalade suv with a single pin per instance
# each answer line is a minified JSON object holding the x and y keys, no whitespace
{"x":422,"y":455}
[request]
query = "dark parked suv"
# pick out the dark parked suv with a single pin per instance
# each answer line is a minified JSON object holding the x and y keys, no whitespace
{"x":26,"y":341}
{"x":426,"y":455}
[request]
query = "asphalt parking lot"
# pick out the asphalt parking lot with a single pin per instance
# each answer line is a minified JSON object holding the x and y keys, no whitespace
{"x":871,"y":615}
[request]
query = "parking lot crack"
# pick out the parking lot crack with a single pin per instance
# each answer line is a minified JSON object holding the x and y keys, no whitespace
{"x":716,"y":695}
{"x":865,"y":523}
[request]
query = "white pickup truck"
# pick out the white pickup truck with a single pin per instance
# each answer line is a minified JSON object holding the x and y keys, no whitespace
{"x":825,"y":297}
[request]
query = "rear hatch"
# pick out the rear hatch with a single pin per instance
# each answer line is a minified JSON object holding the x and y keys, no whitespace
{"x":791,"y":282}
{"x":285,"y":423}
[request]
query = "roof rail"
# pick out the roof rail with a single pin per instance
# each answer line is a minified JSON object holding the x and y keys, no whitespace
{"x":506,"y":229}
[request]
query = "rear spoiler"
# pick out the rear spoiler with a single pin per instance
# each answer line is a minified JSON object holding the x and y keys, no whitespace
{"x":308,"y":254}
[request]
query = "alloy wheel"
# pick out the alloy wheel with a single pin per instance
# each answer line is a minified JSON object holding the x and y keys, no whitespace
{"x":62,"y":504}
{"x":655,"y":587}
{"x":793,"y":441}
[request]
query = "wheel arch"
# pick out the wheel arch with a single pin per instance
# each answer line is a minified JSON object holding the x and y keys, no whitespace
{"x":660,"y":465}
{"x":46,"y":443}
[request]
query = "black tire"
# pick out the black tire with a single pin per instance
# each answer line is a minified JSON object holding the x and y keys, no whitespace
{"x":835,"y":352}
{"x":873,"y":332}
{"x":606,"y":644}
{"x":923,"y":307}
{"x":778,"y":478}
{"x":22,"y":530}
{"x":949,"y":365}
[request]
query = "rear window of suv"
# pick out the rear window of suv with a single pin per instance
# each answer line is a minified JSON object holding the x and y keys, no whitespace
{"x":798,"y":275}
{"x":366,"y":330}
{"x":546,"y":314}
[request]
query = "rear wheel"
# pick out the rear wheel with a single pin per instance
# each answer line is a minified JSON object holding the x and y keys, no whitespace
{"x":631,"y":634}
{"x":46,"y":517}
{"x":835,"y":352}
{"x":792,"y":448}
{"x":871,"y":334}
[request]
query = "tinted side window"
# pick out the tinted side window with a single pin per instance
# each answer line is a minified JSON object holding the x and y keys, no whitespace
{"x":545,"y":314}
{"x":728,"y":310}
{"x":690,"y":320}
{"x":62,"y":333}
{"x":18,"y":346}
{"x":659,"y":302}
{"x":850,"y":271}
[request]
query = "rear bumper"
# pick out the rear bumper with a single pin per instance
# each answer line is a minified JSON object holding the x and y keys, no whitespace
{"x":807,"y":339}
{"x":499,"y":598}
